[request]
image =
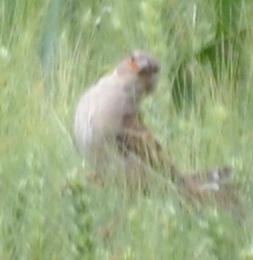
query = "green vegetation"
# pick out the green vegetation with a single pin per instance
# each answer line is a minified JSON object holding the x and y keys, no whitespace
{"x":50,"y":51}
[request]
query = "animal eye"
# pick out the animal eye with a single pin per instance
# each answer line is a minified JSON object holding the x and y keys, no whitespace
{"x":132,"y":58}
{"x":132,"y":63}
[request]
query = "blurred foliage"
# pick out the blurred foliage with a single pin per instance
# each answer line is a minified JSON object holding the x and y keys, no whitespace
{"x":224,"y":54}
{"x":80,"y":232}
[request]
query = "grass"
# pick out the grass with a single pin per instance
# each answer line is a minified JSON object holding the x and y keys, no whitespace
{"x":39,"y":217}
